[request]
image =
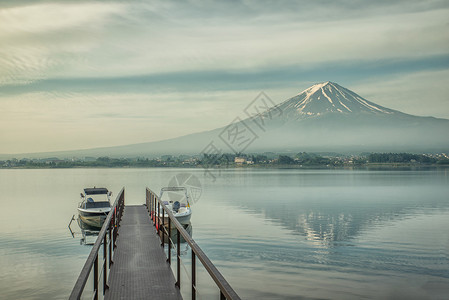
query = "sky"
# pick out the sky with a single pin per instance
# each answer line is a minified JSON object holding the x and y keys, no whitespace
{"x":86,"y":74}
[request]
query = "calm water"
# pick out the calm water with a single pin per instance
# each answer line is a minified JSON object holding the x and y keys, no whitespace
{"x":274,"y":234}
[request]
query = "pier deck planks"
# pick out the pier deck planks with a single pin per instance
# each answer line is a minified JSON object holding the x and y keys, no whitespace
{"x":140,"y":270}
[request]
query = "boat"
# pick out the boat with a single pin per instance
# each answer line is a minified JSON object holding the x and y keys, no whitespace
{"x":177,"y":203}
{"x":95,"y":206}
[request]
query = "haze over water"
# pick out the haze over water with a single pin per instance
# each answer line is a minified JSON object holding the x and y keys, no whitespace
{"x":274,"y":234}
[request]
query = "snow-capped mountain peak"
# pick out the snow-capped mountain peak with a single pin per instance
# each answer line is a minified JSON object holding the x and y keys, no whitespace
{"x":329,"y":97}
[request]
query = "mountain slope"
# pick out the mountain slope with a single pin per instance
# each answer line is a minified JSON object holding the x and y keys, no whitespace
{"x":324,"y":117}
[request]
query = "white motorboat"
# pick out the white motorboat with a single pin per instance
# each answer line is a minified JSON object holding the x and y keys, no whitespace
{"x":178,"y":203}
{"x":95,"y":206}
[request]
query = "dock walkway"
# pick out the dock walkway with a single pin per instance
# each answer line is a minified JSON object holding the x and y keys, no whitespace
{"x":140,"y":270}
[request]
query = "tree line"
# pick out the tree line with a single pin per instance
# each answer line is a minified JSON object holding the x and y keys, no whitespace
{"x":229,"y":160}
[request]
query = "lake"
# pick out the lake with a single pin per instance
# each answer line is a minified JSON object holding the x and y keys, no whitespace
{"x":273,"y":233}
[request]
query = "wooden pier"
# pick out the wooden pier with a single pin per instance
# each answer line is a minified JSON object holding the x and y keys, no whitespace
{"x":128,"y":260}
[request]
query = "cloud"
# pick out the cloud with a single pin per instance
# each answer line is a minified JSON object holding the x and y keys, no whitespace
{"x":78,"y":74}
{"x":48,"y":17}
{"x":231,"y":80}
{"x":102,"y":40}
{"x":420,"y":93}
{"x":46,"y":39}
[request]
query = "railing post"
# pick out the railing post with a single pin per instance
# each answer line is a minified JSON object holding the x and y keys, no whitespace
{"x":163,"y":226}
{"x":158,"y":217}
{"x":122,"y":206}
{"x":110,"y":244}
{"x":155,"y":209}
{"x":193,"y":276}
{"x":169,"y":241}
{"x":96,"y":278}
{"x":152,"y":207}
{"x":178,"y":258}
{"x":105,"y":264}
{"x":114,"y":229}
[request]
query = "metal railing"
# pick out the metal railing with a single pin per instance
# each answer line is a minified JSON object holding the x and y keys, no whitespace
{"x":109,"y":229}
{"x":156,"y":208}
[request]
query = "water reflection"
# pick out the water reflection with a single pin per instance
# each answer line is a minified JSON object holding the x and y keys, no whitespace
{"x":174,"y":234}
{"x":287,"y":229}
{"x":334,"y":222}
{"x":328,"y":210}
{"x":88,"y":233}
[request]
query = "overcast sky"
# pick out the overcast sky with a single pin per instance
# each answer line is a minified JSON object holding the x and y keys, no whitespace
{"x":84,"y":74}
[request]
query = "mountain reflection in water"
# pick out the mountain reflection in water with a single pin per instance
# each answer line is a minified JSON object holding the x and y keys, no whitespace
{"x":337,"y":206}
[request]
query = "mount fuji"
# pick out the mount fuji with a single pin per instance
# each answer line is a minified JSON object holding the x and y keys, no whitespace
{"x":326,"y":117}
{"x":329,"y":117}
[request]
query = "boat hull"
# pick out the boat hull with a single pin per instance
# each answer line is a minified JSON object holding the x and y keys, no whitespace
{"x":184,"y":220}
{"x":93,"y":219}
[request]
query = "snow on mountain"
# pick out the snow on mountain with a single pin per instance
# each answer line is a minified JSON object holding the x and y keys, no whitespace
{"x":329,"y":97}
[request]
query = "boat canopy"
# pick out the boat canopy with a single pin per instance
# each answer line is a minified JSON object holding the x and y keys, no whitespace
{"x":174,"y":189}
{"x":95,"y":191}
{"x":101,"y":204}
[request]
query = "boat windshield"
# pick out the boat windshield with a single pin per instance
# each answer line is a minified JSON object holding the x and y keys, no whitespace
{"x":97,"y":198}
{"x":174,"y":194}
{"x":175,"y":200}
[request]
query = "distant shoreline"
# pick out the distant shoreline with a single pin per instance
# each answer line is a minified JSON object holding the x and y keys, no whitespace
{"x":301,"y":160}
{"x":370,"y":166}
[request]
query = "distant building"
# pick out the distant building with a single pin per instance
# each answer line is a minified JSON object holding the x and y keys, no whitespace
{"x":239,"y":160}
